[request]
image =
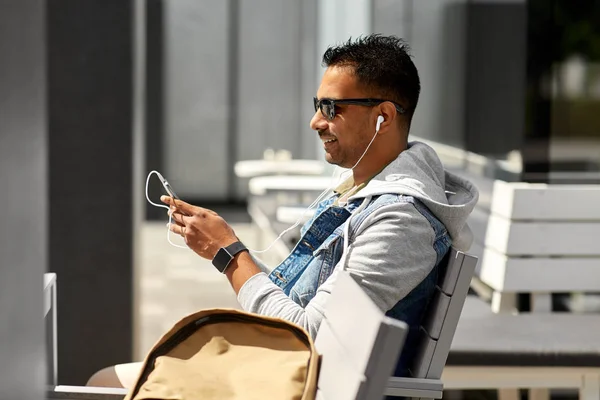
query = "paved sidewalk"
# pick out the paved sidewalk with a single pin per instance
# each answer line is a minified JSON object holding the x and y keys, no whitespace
{"x":174,"y":282}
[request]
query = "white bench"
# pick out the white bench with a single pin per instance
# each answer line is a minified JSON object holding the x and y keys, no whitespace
{"x":535,"y":351}
{"x":538,"y":239}
{"x":253,"y":168}
{"x":541,"y":239}
{"x":293,"y":184}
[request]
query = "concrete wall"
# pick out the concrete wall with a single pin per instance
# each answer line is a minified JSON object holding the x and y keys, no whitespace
{"x":269,"y":79}
{"x":238,"y":77}
{"x":393,"y":17}
{"x":471,"y":60}
{"x":435,"y":32}
{"x":23,"y":179}
{"x":196,"y":103}
{"x":338,"y":21}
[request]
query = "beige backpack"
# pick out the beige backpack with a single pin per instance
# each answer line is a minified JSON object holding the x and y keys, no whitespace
{"x":229,"y":355}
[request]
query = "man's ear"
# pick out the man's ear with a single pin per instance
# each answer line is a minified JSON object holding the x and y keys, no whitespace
{"x":388,"y":112}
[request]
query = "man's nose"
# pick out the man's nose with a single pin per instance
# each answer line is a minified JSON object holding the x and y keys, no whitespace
{"x":318,"y":122}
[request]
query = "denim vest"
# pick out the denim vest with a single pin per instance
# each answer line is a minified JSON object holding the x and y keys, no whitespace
{"x":320,"y":248}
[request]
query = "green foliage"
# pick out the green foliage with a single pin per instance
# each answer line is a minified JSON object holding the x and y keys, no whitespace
{"x":561,"y":28}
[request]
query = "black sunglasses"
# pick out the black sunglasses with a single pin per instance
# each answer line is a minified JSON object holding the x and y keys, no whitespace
{"x":327,"y":106}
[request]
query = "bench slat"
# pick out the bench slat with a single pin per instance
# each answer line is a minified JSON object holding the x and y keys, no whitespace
{"x":568,"y":274}
{"x":529,"y":339}
{"x":335,"y":364}
{"x":63,"y":392}
{"x":366,"y":327}
{"x":368,"y":347}
{"x":415,"y":387}
{"x":450,"y":271}
{"x":424,"y":355}
{"x":527,"y":201}
{"x":442,"y":317}
{"x":436,"y":314}
{"x":542,"y":238}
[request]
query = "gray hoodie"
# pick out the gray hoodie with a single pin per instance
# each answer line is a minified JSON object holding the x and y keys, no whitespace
{"x":397,"y":234}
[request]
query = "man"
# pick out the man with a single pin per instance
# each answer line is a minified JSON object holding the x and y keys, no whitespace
{"x":389,"y":225}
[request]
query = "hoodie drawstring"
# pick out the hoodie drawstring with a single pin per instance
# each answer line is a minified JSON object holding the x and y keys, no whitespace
{"x":363,"y":205}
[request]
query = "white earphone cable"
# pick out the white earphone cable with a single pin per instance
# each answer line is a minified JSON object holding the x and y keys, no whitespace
{"x":163,"y":206}
{"x":298,"y":221}
{"x":324,"y":192}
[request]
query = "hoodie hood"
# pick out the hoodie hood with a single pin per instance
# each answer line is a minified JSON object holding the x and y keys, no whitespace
{"x":418,"y":172}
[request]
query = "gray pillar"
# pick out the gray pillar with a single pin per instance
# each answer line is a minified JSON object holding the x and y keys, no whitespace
{"x":309,"y":82}
{"x":269,"y":76}
{"x":276,"y":79}
{"x":90,"y":92}
{"x":195,"y":98}
{"x":23,"y":172}
{"x":338,"y":21}
{"x":437,"y":40}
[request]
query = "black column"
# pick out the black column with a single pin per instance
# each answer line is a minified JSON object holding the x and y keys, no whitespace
{"x":154,"y":95}
{"x":542,"y":44}
{"x":90,"y":53}
{"x":495,"y":76}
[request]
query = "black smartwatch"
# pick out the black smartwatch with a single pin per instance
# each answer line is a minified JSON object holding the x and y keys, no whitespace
{"x":225,"y":254}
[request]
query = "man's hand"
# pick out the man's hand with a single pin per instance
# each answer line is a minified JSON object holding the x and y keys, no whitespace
{"x":203,"y":230}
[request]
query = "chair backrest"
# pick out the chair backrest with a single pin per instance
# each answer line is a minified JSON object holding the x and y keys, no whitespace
{"x":358,"y":343}
{"x":442,"y":314}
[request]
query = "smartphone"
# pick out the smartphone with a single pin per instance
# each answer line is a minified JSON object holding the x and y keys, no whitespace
{"x":167,"y":187}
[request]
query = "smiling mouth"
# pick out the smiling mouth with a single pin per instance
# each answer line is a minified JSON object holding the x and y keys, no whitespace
{"x":329,"y":141}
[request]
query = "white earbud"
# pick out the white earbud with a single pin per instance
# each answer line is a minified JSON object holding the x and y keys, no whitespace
{"x":380,"y":119}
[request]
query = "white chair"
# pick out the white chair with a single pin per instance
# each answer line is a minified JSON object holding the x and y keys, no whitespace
{"x":350,"y":369}
{"x":358,"y":343}
{"x":360,"y":351}
{"x":437,"y":330}
{"x":361,"y":346}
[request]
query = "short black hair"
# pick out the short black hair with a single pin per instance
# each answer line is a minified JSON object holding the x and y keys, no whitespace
{"x":382,"y":63}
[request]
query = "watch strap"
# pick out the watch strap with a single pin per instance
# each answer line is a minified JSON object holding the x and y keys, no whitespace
{"x":235,"y":248}
{"x":226,"y":254}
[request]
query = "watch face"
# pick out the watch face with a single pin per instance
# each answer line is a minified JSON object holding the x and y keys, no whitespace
{"x":222,"y":259}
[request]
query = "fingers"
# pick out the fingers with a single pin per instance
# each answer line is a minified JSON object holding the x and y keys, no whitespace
{"x":176,"y":216}
{"x":177,"y":225}
{"x":178,"y":229}
{"x":167,"y":200}
{"x":178,"y":222}
{"x":185,"y":208}
{"x":174,"y":204}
